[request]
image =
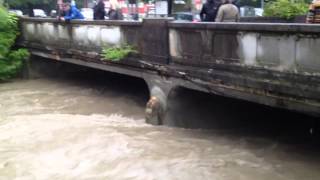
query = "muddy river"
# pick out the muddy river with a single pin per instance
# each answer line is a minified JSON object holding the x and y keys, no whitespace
{"x":66,"y":129}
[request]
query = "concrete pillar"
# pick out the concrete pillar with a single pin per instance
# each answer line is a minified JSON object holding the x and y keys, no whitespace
{"x":156,"y":108}
{"x":155,"y":49}
{"x":155,"y":40}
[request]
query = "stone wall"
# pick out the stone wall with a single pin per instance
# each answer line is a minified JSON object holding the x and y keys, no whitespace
{"x":280,"y":47}
{"x":283,"y":47}
{"x":79,"y":35}
{"x":297,"y":19}
{"x":92,"y":36}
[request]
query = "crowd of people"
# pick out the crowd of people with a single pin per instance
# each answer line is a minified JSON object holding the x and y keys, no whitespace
{"x":69,"y":11}
{"x":212,"y":11}
{"x":217,"y":11}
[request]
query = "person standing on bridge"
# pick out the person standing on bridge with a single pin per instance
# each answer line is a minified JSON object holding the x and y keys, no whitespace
{"x":98,"y":11}
{"x":209,"y":10}
{"x":313,"y":15}
{"x":115,"y":12}
{"x":71,"y":12}
{"x":228,"y":12}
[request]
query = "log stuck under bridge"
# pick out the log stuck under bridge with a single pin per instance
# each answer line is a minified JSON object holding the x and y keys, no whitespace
{"x":272,"y":64}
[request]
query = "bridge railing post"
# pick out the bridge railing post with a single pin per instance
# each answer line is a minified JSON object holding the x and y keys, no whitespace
{"x":155,"y":40}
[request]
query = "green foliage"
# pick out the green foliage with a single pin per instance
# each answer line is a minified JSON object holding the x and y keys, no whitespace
{"x":117,"y":53}
{"x":286,"y":8}
{"x":11,"y":61}
{"x":15,"y":3}
{"x":8,"y":31}
{"x":27,"y":5}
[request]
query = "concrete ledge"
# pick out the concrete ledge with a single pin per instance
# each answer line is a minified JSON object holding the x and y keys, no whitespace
{"x":86,"y":22}
{"x":273,"y":27}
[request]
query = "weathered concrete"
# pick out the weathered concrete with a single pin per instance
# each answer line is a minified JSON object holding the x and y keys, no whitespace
{"x":272,"y":64}
{"x":259,"y":19}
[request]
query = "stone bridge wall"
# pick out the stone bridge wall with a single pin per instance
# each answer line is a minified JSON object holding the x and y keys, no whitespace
{"x":280,"y":47}
{"x":283,"y":47}
{"x":91,"y":36}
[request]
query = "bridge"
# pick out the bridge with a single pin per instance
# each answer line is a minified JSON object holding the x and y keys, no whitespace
{"x":276,"y":65}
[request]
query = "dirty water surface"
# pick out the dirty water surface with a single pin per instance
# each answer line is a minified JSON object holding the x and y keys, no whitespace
{"x":60,"y":129}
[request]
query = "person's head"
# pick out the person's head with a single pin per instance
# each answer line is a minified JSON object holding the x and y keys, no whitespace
{"x":101,"y":2}
{"x":66,"y":6}
{"x":210,"y":1}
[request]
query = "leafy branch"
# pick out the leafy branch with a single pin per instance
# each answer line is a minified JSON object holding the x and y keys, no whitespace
{"x":286,"y":8}
{"x":117,"y":53}
{"x":11,"y":61}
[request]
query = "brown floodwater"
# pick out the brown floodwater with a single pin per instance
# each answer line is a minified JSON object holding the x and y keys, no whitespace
{"x":65,"y":129}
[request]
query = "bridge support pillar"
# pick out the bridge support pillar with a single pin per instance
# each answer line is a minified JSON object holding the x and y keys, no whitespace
{"x":156,"y":108}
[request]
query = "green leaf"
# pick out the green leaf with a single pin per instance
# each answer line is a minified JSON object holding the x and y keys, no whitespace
{"x":117,"y":53}
{"x":11,"y":61}
{"x":285,"y":8}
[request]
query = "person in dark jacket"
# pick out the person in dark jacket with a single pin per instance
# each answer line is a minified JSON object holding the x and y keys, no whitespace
{"x":209,"y":10}
{"x":30,"y":10}
{"x":99,"y":11}
{"x":71,"y":12}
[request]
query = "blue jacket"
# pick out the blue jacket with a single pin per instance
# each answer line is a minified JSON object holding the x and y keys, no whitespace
{"x":73,"y":13}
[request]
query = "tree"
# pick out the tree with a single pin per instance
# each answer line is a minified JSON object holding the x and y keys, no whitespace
{"x":286,"y":8}
{"x":260,"y":3}
{"x":11,"y":60}
{"x":15,"y":3}
{"x":27,"y":5}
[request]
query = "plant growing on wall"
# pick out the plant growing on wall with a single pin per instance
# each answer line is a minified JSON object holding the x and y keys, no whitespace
{"x":117,"y":53}
{"x":286,"y":8}
{"x":11,"y":60}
